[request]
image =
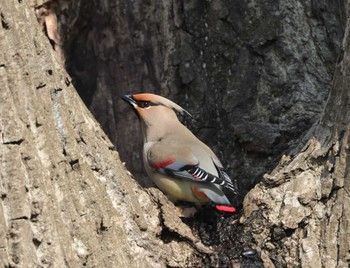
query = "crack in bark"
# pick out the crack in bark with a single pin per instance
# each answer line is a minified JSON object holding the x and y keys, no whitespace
{"x":4,"y":22}
{"x":15,"y":142}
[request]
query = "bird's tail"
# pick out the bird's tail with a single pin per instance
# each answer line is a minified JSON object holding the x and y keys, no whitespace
{"x":215,"y":196}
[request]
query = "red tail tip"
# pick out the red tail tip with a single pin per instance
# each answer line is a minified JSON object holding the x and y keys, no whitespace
{"x":225,"y":208}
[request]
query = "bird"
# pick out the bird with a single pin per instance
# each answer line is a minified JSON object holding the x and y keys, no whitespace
{"x":180,"y":165}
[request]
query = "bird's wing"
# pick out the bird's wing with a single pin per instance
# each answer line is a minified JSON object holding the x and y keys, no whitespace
{"x":180,"y":162}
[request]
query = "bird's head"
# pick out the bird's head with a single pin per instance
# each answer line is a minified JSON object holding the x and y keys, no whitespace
{"x":154,"y":110}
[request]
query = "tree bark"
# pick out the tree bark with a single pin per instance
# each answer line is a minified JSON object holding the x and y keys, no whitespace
{"x":255,"y":76}
{"x":66,"y":200}
{"x":299,"y":214}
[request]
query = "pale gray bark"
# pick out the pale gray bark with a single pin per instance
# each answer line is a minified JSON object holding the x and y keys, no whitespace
{"x":260,"y":75}
{"x":299,"y":214}
{"x":66,"y":200}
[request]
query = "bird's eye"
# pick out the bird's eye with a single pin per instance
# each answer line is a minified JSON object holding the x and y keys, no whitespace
{"x":145,"y":104}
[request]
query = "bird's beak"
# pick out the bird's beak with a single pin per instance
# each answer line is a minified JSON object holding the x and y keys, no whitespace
{"x":130,"y":100}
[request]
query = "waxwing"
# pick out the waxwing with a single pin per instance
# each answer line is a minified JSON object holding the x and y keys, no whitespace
{"x":182,"y":166}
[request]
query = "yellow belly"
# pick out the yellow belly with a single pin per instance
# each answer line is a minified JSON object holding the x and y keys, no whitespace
{"x":177,"y":188}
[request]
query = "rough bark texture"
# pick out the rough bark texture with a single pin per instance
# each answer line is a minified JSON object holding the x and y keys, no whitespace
{"x":299,"y":214}
{"x":66,"y":200}
{"x":255,"y":74}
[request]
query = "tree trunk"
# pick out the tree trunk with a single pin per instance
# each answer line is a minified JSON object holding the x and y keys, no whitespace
{"x":66,"y":198}
{"x":263,"y":71}
{"x":254,"y":76}
{"x":299,"y":214}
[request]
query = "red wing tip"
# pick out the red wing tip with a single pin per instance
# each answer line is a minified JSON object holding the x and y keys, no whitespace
{"x":225,"y":208}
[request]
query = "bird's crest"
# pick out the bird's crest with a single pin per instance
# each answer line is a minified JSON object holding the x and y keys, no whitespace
{"x":156,"y":99}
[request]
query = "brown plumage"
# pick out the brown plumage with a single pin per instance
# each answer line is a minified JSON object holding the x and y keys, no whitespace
{"x":180,"y":164}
